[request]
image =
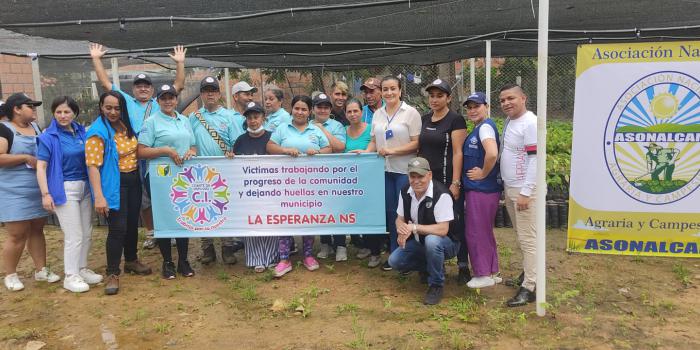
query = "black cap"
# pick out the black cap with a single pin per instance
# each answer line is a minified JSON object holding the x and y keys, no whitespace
{"x":477,"y":97}
{"x":322,"y":98}
{"x":17,"y":99}
{"x":209,"y":82}
{"x":142,"y":78}
{"x":166,"y":89}
{"x":441,"y":85}
{"x":253,"y":107}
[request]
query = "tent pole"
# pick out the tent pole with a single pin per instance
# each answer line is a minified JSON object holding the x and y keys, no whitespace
{"x":541,"y":246}
{"x":115,"y":72}
{"x":472,"y":76}
{"x":36,"y":81}
{"x":227,"y":89}
{"x":488,"y":73}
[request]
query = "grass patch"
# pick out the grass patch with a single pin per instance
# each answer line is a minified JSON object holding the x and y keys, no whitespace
{"x":162,"y":327}
{"x":682,"y":274}
{"x":347,"y":308}
{"x":359,"y":332}
{"x":19,"y":334}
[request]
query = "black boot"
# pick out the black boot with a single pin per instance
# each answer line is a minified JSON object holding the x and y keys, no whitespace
{"x":515,"y":282}
{"x":522,"y":297}
{"x":208,"y":255}
{"x":227,"y":255}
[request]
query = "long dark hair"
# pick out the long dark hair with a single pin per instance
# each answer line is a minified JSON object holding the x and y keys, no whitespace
{"x":124,"y":111}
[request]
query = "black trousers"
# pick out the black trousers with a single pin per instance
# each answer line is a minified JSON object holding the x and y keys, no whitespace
{"x":124,"y":223}
{"x":166,"y":250}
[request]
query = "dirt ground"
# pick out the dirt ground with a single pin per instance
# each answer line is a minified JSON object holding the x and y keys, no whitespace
{"x":595,"y":302}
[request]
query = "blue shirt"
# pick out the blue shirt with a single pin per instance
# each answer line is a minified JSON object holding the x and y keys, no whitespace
{"x":367,"y":113}
{"x":238,"y":119}
{"x":276,"y":119}
{"x":136,"y":109}
{"x":221,"y":121}
{"x":336,"y":128}
{"x":288,"y":136}
{"x":360,"y":142}
{"x":73,"y":160}
{"x":161,"y":130}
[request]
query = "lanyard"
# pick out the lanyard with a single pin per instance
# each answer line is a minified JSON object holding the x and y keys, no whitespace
{"x":389,"y":120}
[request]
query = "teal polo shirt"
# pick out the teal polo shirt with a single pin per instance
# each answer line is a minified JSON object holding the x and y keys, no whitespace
{"x":161,"y":130}
{"x":136,"y":109}
{"x":238,"y":119}
{"x":276,"y":119}
{"x":288,"y":136}
{"x":335,"y":128}
{"x":221,"y":121}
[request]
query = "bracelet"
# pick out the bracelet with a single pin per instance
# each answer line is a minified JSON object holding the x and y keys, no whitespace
{"x":415,"y":229}
{"x":456,"y":183}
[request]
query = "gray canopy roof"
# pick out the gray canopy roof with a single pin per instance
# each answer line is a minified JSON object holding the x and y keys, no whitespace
{"x":276,"y":33}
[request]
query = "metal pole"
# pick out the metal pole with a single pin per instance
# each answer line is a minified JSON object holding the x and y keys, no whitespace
{"x":36,"y":81}
{"x":115,"y":72}
{"x":488,"y":73}
{"x":227,"y":89}
{"x":472,"y":76}
{"x":541,"y":190}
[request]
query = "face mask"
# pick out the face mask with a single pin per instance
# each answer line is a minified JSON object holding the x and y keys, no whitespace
{"x":256,"y":131}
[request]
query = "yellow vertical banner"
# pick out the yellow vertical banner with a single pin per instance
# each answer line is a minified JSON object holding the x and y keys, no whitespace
{"x":636,"y":150}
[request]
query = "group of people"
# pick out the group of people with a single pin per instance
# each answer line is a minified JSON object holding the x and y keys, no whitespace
{"x":442,"y":183}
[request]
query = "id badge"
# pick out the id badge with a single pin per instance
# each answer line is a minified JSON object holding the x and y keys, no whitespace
{"x":389,"y":134}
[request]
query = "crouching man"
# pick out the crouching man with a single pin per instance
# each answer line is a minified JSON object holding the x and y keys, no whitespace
{"x":424,"y":215}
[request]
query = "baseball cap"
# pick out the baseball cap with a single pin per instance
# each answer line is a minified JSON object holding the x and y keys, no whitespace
{"x":209,"y":82}
{"x":243,"y":86}
{"x":18,"y":99}
{"x":419,"y":166}
{"x":253,"y":107}
{"x":477,"y":97}
{"x":440,"y":85}
{"x":166,"y":89}
{"x":142,"y":78}
{"x":322,"y":98}
{"x":371,"y":83}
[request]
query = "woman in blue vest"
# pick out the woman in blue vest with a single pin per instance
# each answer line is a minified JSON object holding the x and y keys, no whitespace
{"x":110,"y":155}
{"x":482,"y":190}
{"x":63,"y":180}
{"x":23,"y":215}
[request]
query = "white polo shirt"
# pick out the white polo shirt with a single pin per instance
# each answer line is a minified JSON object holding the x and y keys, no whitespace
{"x":443,"y":210}
{"x":404,"y":124}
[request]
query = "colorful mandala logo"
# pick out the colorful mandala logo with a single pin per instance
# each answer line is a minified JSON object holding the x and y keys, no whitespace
{"x":200,"y":196}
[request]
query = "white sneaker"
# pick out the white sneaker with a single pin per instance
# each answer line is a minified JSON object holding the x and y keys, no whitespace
{"x":46,"y":275}
{"x":89,"y":276}
{"x":363,"y":253}
{"x":341,"y":254}
{"x":325,"y":251}
{"x":149,"y":242}
{"x":481,"y":282}
{"x":12,"y":283}
{"x":497,"y":279}
{"x":374,"y":261}
{"x":75,"y":284}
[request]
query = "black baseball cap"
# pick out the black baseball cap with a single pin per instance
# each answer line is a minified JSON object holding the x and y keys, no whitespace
{"x":166,"y":89}
{"x":17,"y":99}
{"x":253,"y":107}
{"x":209,"y":82}
{"x":477,"y":97}
{"x":321,"y":99}
{"x":441,"y":85}
{"x":142,"y":78}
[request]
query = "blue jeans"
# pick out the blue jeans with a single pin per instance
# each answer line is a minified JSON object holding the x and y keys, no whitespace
{"x":428,"y":258}
{"x":393,"y":183}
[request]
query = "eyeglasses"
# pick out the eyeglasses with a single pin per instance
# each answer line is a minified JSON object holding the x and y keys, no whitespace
{"x":30,"y":106}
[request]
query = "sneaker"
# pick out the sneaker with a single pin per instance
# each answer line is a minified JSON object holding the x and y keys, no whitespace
{"x":386,"y":266}
{"x":112,"y":285}
{"x":208,"y":255}
{"x":310,"y":263}
{"x":325,"y":251}
{"x":150,"y":242}
{"x":363,"y":253}
{"x":481,"y":282}
{"x":227,"y":255}
{"x":341,"y":254}
{"x":282,"y":268}
{"x":464,"y":276}
{"x":259,"y":269}
{"x":433,"y":296}
{"x":89,"y":276}
{"x":46,"y":275}
{"x":137,"y":267}
{"x":75,"y":284}
{"x":168,"y":270}
{"x":516,"y":282}
{"x":184,"y":268}
{"x":497,"y":279}
{"x":374,"y":261}
{"x":12,"y":283}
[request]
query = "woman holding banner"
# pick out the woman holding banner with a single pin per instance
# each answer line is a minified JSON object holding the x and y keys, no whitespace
{"x":260,"y":252}
{"x":167,"y":133}
{"x":395,"y":130}
{"x":293,"y":139}
{"x":110,"y":155}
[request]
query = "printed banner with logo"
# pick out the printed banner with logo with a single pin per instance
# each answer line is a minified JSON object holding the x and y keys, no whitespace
{"x":636,"y":150}
{"x":268,"y":196}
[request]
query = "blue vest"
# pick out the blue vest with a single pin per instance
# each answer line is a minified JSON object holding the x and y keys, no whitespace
{"x":474,"y":154}
{"x":109,"y":171}
{"x":54,"y":170}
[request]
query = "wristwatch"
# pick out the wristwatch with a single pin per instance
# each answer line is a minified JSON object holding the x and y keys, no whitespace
{"x":415,"y":229}
{"x":456,"y":183}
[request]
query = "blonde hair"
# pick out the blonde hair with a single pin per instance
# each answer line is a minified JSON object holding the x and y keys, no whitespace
{"x":340,"y":86}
